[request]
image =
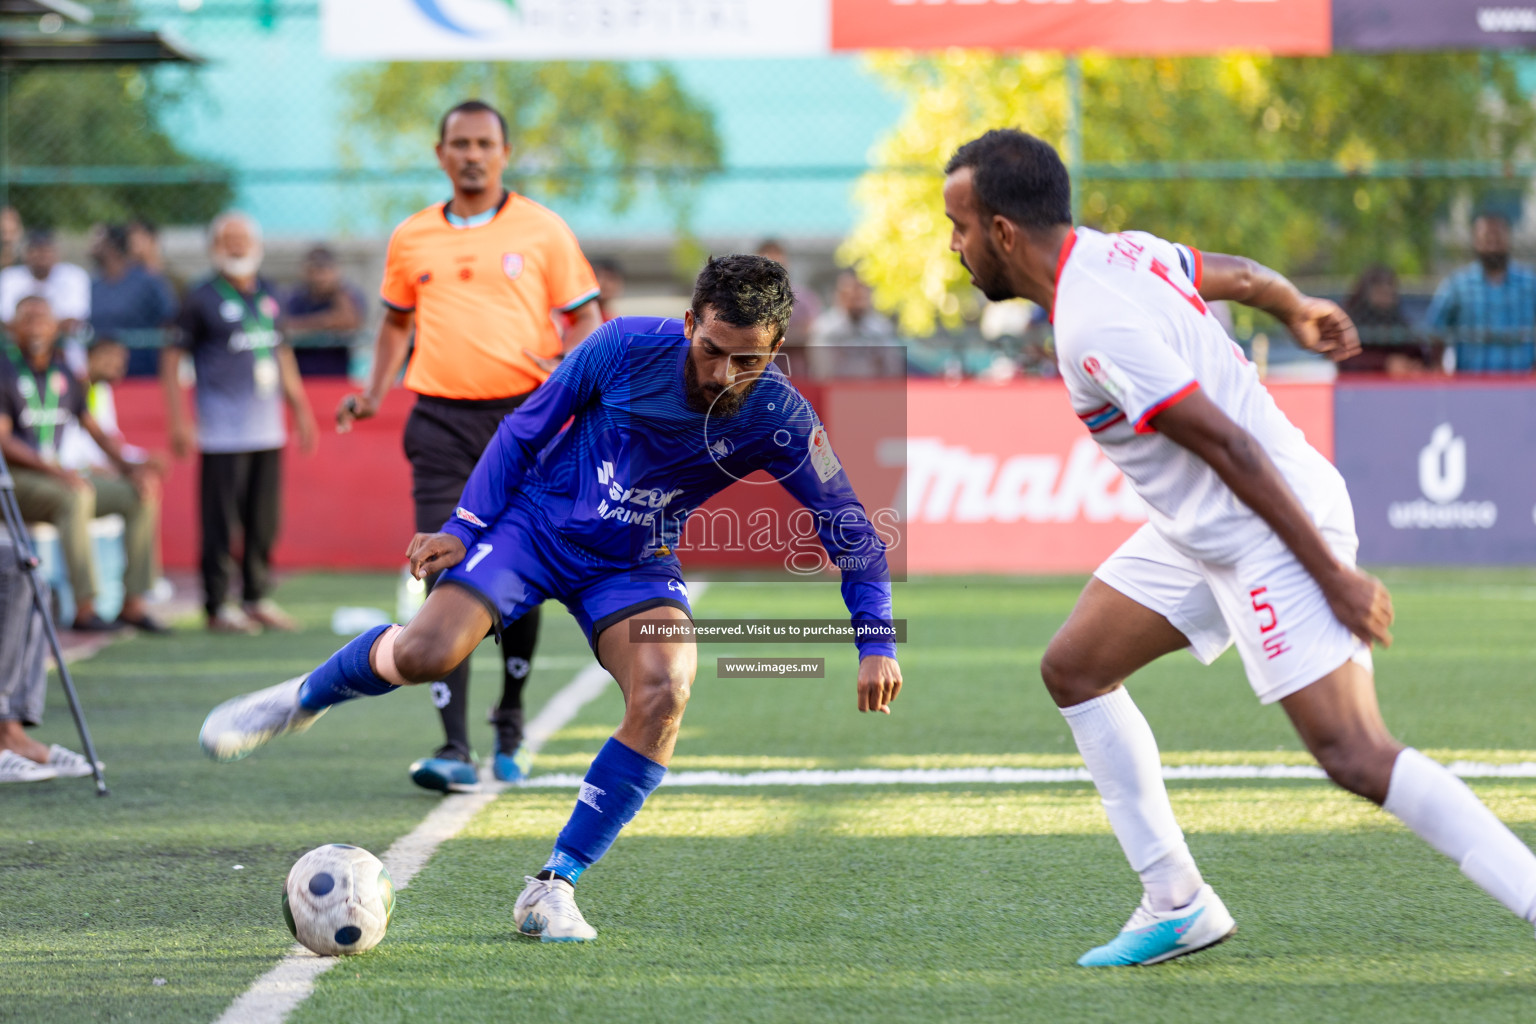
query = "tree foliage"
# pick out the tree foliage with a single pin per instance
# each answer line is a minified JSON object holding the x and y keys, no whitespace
{"x":578,"y":130}
{"x":81,"y":119}
{"x":1350,"y":111}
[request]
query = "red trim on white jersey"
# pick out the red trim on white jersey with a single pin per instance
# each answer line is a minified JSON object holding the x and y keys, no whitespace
{"x":1061,"y":264}
{"x":1144,"y":425}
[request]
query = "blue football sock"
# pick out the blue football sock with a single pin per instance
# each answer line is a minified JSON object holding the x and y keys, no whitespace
{"x":347,"y":674}
{"x":611,"y":794}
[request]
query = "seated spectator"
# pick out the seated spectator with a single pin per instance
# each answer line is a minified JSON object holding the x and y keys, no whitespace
{"x":1390,"y":345}
{"x":40,"y":400}
{"x":128,"y":301}
{"x":866,"y":339}
{"x":610,"y":286}
{"x":1487,"y":310}
{"x":66,"y":286}
{"x":325,"y":303}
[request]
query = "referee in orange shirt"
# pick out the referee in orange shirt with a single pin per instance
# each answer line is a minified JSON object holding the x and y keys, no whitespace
{"x":483,"y":278}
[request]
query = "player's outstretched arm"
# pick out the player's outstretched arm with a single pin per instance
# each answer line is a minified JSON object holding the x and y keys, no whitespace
{"x":1317,"y":324}
{"x":879,"y":682}
{"x":1358,"y":599}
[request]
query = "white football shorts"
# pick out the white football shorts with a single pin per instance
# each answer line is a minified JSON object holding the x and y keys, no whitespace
{"x":1285,"y":631}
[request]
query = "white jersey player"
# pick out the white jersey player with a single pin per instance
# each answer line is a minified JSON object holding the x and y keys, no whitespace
{"x":1251,"y":537}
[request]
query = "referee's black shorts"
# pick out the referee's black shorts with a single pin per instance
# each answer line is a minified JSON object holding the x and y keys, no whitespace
{"x":443,"y":440}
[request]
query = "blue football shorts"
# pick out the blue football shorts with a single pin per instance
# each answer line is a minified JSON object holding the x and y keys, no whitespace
{"x":520,"y":563}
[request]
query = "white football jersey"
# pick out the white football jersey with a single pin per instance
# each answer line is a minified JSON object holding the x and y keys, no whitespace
{"x":1133,"y":337}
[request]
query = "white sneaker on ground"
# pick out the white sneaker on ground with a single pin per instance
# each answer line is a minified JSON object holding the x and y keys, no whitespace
{"x":238,"y":726}
{"x":67,"y":764}
{"x":15,"y":768}
{"x":1150,"y":937}
{"x":547,"y":911}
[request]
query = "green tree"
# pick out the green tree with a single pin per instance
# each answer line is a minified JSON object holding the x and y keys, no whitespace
{"x":79,"y":119}
{"x":589,"y":131}
{"x":1348,"y":111}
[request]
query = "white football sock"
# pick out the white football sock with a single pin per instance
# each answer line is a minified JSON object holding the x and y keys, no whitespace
{"x":1121,"y":754}
{"x":1443,"y":812}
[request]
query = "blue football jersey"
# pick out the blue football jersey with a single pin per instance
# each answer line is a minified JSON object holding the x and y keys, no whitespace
{"x":609,"y":454}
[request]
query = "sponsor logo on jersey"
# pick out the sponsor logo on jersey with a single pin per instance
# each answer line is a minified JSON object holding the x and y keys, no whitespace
{"x":469,"y":517}
{"x":1442,"y":479}
{"x":512,"y":264}
{"x":1103,"y":372}
{"x":823,"y":459}
{"x":650,"y":499}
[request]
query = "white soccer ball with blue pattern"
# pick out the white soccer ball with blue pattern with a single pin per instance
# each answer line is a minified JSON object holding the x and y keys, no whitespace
{"x":338,"y":900}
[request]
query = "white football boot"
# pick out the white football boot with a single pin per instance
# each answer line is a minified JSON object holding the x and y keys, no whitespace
{"x":238,"y":726}
{"x":547,"y":911}
{"x":1150,"y":937}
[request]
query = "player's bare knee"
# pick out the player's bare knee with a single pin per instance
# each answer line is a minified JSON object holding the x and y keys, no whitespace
{"x":1068,"y":680}
{"x":660,"y":698}
{"x":1362,"y":766}
{"x":421,"y":657}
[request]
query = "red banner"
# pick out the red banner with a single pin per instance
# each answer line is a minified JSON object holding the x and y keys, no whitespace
{"x":1004,"y":479}
{"x":999,"y":479}
{"x":1128,"y":27}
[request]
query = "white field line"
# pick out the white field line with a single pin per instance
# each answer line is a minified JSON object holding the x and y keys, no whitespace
{"x":968,"y":776}
{"x":276,"y":994}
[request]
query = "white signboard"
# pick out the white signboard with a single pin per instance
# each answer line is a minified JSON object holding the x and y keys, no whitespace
{"x":573,"y":29}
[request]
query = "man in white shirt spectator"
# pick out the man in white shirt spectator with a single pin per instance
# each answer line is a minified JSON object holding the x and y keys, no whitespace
{"x":66,"y":286}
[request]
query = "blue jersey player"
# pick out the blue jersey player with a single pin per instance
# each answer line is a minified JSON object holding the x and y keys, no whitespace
{"x":582,"y":496}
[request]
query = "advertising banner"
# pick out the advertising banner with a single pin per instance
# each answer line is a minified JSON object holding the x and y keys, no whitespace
{"x":1115,"y":26}
{"x":1004,"y":479}
{"x":572,"y":29}
{"x":1367,"y":25}
{"x":1442,"y":475}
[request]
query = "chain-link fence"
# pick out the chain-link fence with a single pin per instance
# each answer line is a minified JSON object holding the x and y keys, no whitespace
{"x":655,"y":163}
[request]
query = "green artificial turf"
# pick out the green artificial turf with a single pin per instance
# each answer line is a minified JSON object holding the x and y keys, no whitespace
{"x":888,"y":903}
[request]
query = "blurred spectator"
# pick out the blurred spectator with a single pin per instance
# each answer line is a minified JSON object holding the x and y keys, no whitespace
{"x":66,"y":286}
{"x":807,"y":305}
{"x":245,"y":373}
{"x":610,"y":286}
{"x":1487,"y":309}
{"x":1390,"y":345}
{"x":11,"y":234}
{"x":851,"y":339}
{"x":144,"y":245}
{"x":326,"y":303}
{"x":106,"y":364}
{"x":40,"y":402}
{"x":127,"y":300}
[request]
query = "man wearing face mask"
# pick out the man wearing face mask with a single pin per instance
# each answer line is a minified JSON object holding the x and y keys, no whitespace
{"x":246,"y":373}
{"x":1487,"y":310}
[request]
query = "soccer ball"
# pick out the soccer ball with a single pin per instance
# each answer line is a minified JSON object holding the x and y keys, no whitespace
{"x":338,"y":900}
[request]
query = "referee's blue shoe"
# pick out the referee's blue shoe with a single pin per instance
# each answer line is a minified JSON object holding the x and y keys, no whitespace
{"x":447,"y":771}
{"x":514,"y":766}
{"x":1150,"y":937}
